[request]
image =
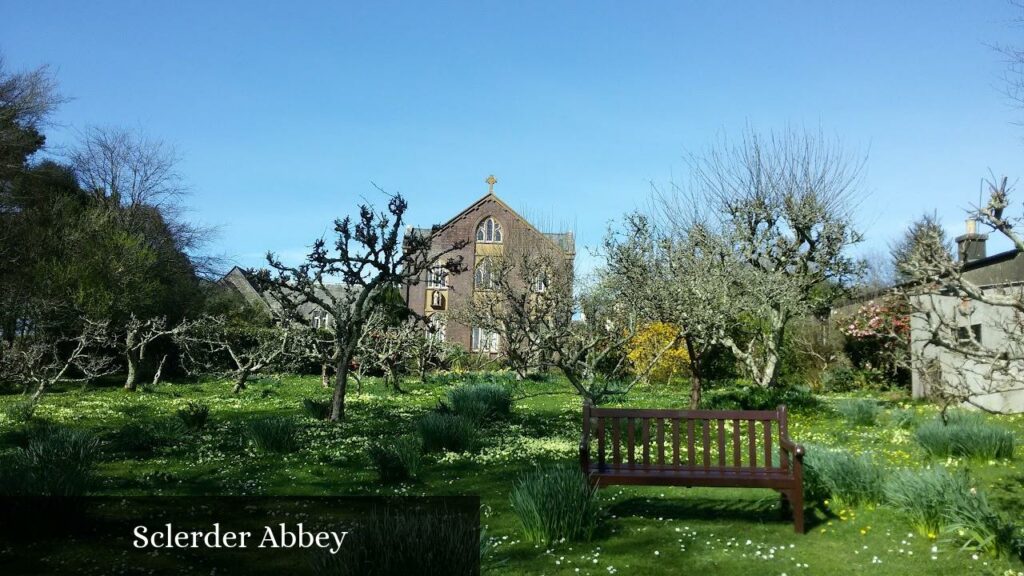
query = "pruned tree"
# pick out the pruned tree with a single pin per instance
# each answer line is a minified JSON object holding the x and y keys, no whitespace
{"x":368,"y":256}
{"x":967,"y":336}
{"x":43,"y":359}
{"x":769,"y":221}
{"x":214,"y":345}
{"x":389,"y":345}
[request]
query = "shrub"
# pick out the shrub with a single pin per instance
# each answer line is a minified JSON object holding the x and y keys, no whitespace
{"x":58,"y":461}
{"x":316,"y":409}
{"x":752,"y":397}
{"x":966,"y":434}
{"x":839,"y":379}
{"x":194,"y":415}
{"x":481,"y":402}
{"x":398,"y":460}
{"x":20,"y":411}
{"x":654,"y":349}
{"x":937,"y":501}
{"x":555,"y":503}
{"x":446,"y":432}
{"x":860,"y":411}
{"x":273,"y":434}
{"x":849,"y":479}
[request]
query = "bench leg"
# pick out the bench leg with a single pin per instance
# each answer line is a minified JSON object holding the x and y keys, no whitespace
{"x":796,"y":500}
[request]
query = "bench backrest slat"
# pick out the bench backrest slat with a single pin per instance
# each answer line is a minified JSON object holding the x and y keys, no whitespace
{"x":707,"y":447}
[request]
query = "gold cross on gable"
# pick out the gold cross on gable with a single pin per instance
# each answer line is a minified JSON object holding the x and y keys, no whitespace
{"x":491,"y":181}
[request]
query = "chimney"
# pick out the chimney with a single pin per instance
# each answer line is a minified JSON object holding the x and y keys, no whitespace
{"x":971,"y":246}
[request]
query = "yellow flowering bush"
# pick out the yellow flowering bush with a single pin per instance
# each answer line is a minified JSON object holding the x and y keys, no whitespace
{"x":648,"y":343}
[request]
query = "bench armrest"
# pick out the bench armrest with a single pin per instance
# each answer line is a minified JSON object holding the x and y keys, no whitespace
{"x":791,"y":447}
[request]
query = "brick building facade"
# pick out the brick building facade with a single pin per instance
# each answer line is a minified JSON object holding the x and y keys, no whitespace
{"x":490,"y":227}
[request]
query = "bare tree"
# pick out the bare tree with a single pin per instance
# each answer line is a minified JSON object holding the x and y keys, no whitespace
{"x":212,"y":345}
{"x":39,"y":361}
{"x":951,"y":310}
{"x":369,"y":256}
{"x":134,"y":338}
{"x":768,"y":221}
{"x":388,"y":345}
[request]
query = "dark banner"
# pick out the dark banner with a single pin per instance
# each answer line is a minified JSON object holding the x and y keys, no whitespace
{"x":240,"y":535}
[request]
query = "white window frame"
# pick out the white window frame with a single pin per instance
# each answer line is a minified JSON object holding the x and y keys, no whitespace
{"x":483,"y":275}
{"x":490,"y":231}
{"x":491,"y":340}
{"x":437,"y":278}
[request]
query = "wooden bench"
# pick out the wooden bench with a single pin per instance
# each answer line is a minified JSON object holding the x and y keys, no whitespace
{"x":694,"y":448}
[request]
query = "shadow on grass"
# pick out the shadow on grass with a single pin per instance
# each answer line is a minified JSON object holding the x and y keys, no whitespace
{"x":764,"y":510}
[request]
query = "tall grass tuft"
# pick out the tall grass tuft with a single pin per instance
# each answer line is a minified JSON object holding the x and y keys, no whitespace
{"x":481,"y":402}
{"x":939,"y":502}
{"x":58,"y":461}
{"x":148,"y":435}
{"x":273,"y":434}
{"x":194,"y":415}
{"x":397,"y":460}
{"x":451,"y":432}
{"x":966,"y":434}
{"x":21,"y":411}
{"x":554,"y":503}
{"x":860,"y":411}
{"x":849,"y":479}
{"x":316,"y":409}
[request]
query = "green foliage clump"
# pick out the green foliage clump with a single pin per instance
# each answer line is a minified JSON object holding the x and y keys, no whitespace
{"x":58,"y":461}
{"x":838,"y":474}
{"x":21,"y":411}
{"x":481,"y":402}
{"x":442,"y":431}
{"x":859,"y":411}
{"x":148,"y":435}
{"x":278,"y":434}
{"x":904,"y":419}
{"x":554,"y":503}
{"x":839,"y":379}
{"x":316,"y":409}
{"x":939,"y":502}
{"x":398,"y":460}
{"x":965,"y":434}
{"x":194,"y":415}
{"x":751,"y":397}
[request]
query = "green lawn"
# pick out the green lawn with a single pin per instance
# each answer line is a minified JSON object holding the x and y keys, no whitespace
{"x":645,"y":531}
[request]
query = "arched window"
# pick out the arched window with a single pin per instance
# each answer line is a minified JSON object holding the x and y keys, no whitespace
{"x":483,"y":276}
{"x":489,"y":231}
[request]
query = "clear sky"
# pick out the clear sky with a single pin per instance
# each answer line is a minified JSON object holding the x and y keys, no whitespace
{"x":285,"y":113}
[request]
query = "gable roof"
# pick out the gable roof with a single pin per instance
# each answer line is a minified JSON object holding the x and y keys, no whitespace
{"x":562,"y":240}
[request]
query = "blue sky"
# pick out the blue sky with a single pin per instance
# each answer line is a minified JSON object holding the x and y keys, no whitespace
{"x":285,"y":113}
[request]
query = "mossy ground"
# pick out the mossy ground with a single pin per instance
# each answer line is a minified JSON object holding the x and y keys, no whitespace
{"x":645,"y":531}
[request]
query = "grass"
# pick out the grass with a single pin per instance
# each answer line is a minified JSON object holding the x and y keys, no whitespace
{"x":704,"y":530}
{"x":851,"y":480}
{"x":58,"y":461}
{"x":555,"y":504}
{"x":481,"y":402}
{"x":273,"y":434}
{"x":398,"y":460}
{"x":860,"y":411}
{"x":967,"y":434}
{"x":443,"y":431}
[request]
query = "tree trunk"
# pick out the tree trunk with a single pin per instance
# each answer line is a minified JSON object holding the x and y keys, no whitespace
{"x":243,"y":376}
{"x":133,"y":369}
{"x":340,"y":385}
{"x":695,"y":374}
{"x":159,"y":370}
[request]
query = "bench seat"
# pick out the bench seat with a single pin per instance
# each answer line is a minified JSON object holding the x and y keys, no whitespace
{"x":692,"y":448}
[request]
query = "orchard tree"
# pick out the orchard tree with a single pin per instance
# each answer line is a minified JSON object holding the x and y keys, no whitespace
{"x":770,"y":219}
{"x":368,"y":255}
{"x":238,"y":351}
